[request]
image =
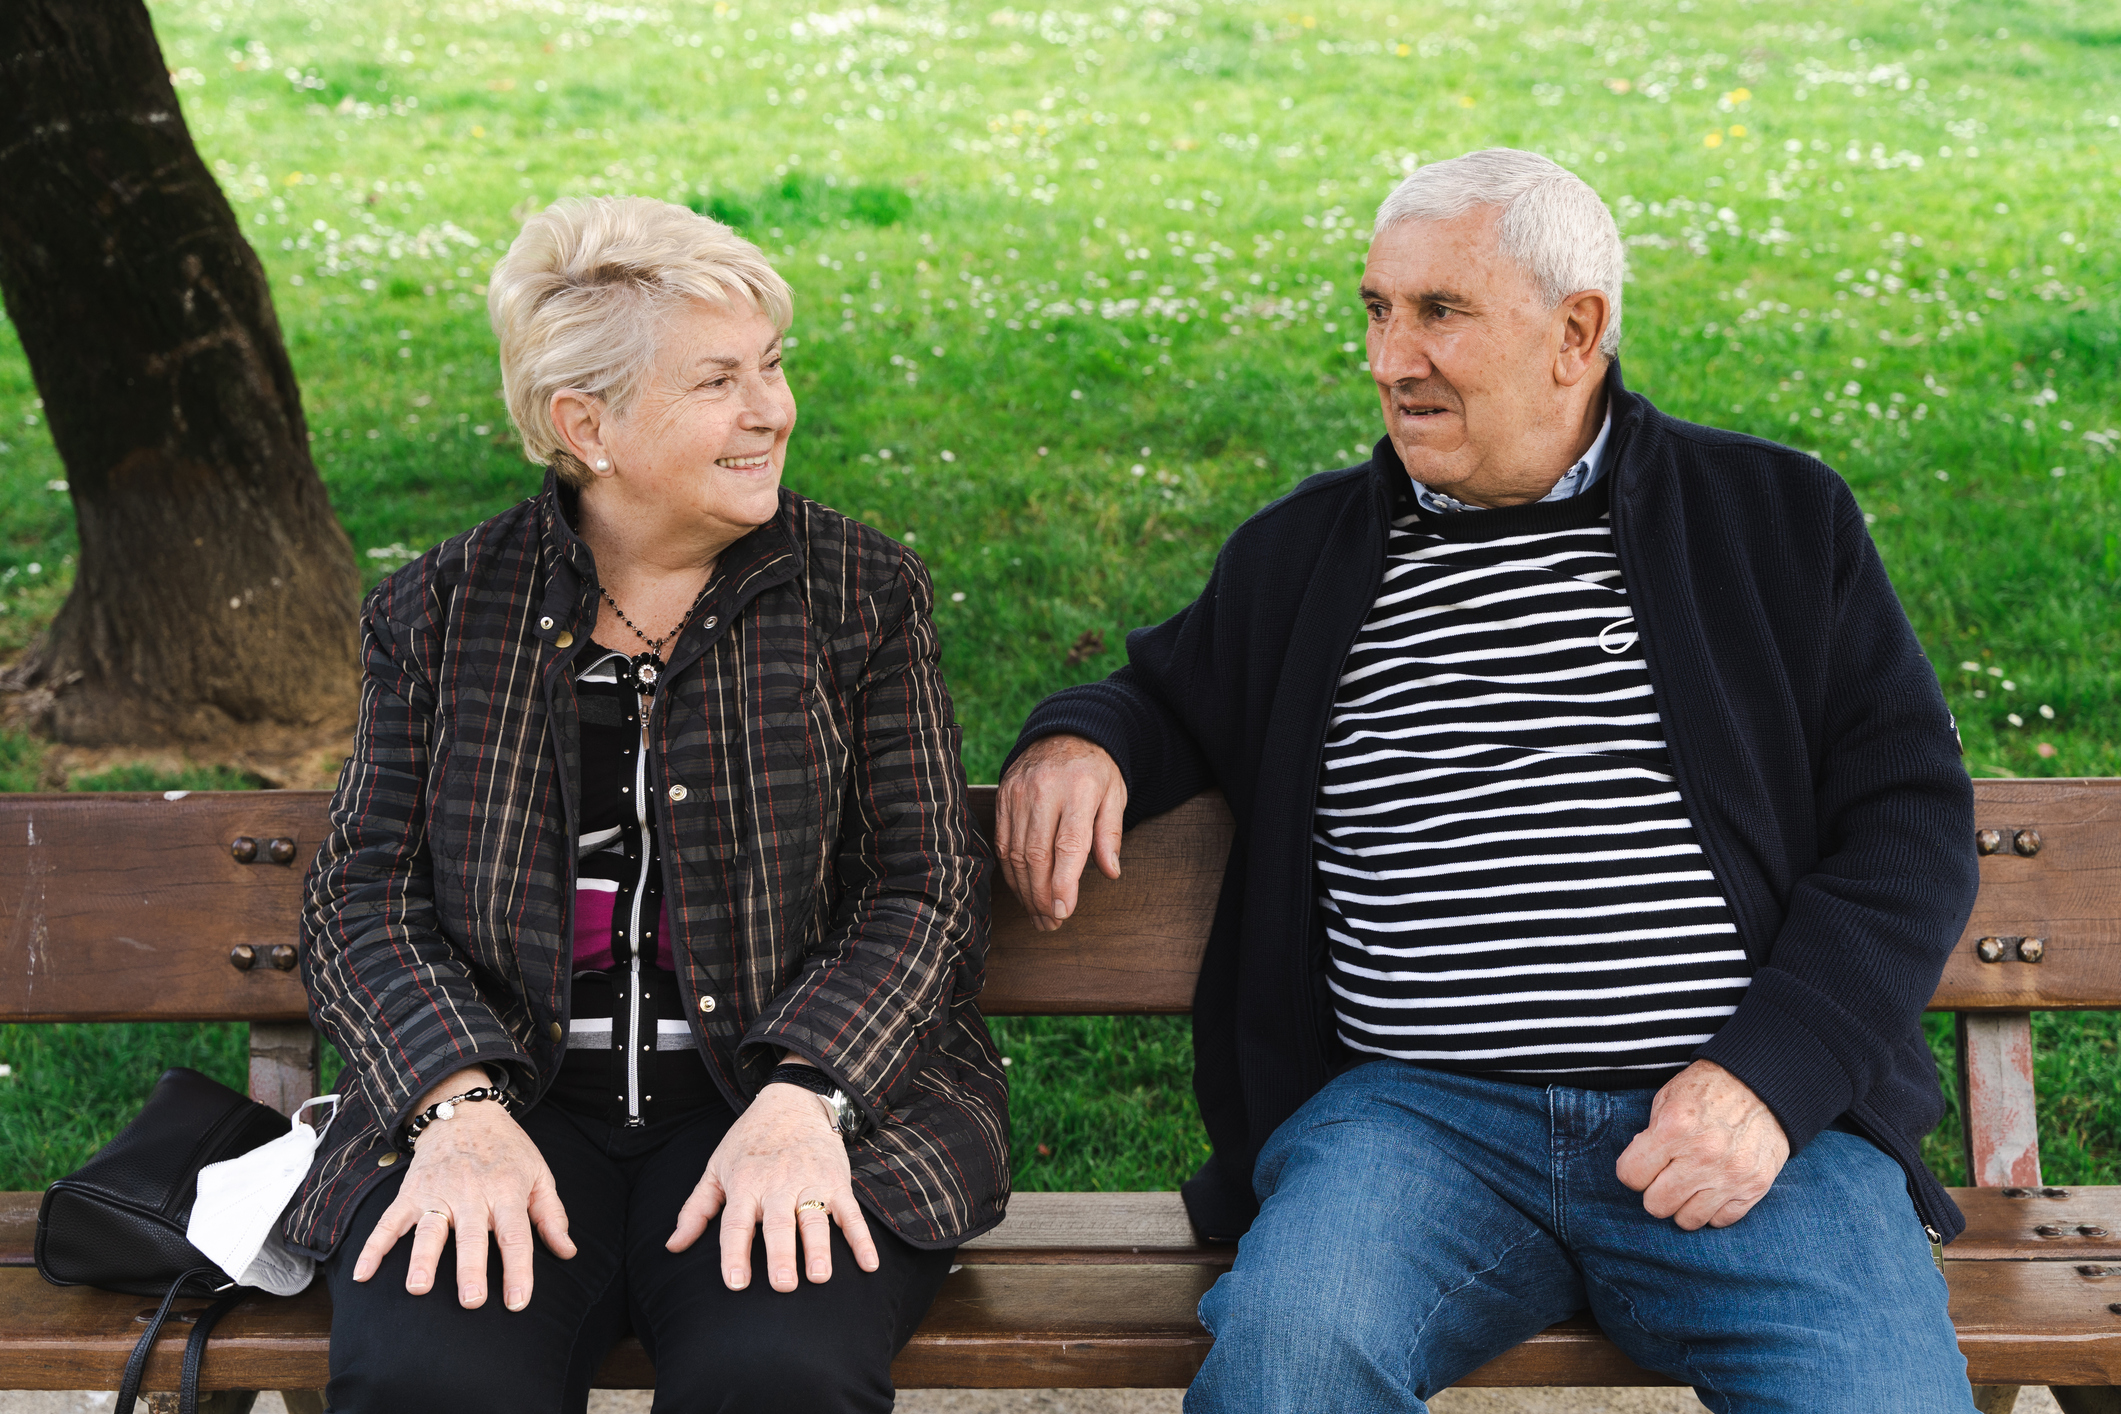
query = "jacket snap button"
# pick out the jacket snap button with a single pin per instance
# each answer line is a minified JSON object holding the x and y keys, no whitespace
{"x":556,"y":1031}
{"x":384,"y":1161}
{"x":706,"y":1003}
{"x":563,"y":639}
{"x":712,"y":621}
{"x":545,"y":622}
{"x":678,"y":792}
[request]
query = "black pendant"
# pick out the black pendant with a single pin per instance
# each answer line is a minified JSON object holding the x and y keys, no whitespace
{"x":644,"y":673}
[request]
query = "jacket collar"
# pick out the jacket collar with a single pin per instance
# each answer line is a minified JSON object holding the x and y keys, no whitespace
{"x":569,"y":569}
{"x":768,"y":555}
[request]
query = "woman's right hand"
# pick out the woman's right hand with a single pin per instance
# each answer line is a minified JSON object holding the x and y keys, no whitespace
{"x":477,"y":1173}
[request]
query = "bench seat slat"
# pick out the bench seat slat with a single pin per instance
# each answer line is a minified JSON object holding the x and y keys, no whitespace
{"x":1095,"y":1228}
{"x":2084,"y":1225}
{"x":1150,"y":1229}
{"x":1024,"y":1327}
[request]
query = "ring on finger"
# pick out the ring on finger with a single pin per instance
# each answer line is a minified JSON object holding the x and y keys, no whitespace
{"x":435,"y":1213}
{"x":814,"y":1205}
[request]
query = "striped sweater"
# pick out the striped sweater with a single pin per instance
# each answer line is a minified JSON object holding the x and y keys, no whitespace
{"x":1511,"y":882}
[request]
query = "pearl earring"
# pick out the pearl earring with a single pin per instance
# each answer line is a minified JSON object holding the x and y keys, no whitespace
{"x":603,"y":465}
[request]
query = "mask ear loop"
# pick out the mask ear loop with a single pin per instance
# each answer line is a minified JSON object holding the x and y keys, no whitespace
{"x":332,"y":1100}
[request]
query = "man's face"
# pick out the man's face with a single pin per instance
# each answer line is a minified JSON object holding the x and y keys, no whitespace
{"x":1463,"y":348}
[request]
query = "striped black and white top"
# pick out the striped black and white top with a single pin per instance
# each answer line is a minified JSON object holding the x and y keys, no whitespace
{"x":1511,"y":881}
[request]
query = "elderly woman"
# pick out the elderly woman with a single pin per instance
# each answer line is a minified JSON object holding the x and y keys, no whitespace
{"x":651,"y":919}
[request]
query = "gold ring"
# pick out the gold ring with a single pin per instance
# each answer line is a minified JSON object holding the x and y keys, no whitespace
{"x":437,"y":1213}
{"x":817,"y":1205}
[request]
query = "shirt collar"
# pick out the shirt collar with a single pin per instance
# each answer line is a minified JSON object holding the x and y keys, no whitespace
{"x":1574,"y":482}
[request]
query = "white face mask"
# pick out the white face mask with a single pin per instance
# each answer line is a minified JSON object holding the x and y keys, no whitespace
{"x":235,"y":1220}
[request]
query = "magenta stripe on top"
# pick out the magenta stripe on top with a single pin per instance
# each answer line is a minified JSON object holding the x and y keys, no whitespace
{"x":592,"y":930}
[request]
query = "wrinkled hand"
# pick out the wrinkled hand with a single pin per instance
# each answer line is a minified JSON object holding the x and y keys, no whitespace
{"x":478,"y":1173}
{"x":1711,"y":1152}
{"x":781,"y":1151}
{"x":1061,"y":803}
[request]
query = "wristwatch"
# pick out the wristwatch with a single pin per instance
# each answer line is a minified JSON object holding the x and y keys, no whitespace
{"x":846,"y":1114}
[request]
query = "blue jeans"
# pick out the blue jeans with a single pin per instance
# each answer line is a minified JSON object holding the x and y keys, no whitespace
{"x":1415,"y":1224}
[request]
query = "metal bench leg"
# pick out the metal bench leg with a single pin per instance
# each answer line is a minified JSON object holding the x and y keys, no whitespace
{"x":2079,"y":1399}
{"x":1995,"y":1399}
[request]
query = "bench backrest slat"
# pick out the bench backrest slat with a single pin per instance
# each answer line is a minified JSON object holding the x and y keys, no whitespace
{"x":2068,"y":895}
{"x":125,"y":907}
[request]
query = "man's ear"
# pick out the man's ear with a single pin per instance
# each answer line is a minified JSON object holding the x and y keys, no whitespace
{"x":1583,"y":318}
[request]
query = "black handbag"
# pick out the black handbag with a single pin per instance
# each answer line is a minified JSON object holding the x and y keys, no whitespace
{"x":118,"y":1221}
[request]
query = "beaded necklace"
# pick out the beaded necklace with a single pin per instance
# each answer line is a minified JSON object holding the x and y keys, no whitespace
{"x":645,"y":670}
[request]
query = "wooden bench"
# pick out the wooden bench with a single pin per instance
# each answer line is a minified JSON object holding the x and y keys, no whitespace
{"x":152,"y":908}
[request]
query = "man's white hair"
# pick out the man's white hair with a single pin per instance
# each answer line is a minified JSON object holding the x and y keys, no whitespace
{"x":1552,"y":224}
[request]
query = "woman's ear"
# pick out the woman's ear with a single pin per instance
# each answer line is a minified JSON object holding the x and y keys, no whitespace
{"x":579,"y":419}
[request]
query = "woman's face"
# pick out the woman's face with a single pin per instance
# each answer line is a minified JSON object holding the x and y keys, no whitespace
{"x":706,"y":439}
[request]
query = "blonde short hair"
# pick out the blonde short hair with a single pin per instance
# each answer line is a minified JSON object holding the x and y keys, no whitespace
{"x":580,"y":299}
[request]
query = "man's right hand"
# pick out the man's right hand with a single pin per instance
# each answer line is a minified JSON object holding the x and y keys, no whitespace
{"x":1060,"y":803}
{"x":477,"y":1172}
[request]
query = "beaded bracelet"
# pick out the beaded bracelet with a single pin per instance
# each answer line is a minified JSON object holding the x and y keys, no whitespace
{"x":447,"y":1109}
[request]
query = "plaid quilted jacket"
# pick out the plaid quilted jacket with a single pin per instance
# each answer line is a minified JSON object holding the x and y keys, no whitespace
{"x":826,"y":891}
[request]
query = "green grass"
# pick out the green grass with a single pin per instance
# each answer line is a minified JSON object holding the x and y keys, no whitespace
{"x":1102,"y":1102}
{"x":73,"y":1087}
{"x":1075,"y":293}
{"x":140,"y":777}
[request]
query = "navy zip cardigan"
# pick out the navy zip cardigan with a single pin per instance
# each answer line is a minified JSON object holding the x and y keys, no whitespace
{"x":1810,"y":740}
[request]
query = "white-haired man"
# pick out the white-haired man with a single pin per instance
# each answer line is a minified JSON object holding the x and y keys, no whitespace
{"x":1601,"y":833}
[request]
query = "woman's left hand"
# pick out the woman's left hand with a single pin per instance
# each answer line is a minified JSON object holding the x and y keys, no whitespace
{"x":781,"y":1152}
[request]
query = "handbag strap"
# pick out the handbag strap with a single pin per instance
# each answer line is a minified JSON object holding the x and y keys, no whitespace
{"x":194,"y":1349}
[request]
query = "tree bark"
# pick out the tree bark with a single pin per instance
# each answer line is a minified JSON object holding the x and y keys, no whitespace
{"x":215,"y":591}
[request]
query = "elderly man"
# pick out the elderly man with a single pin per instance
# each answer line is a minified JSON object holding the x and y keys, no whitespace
{"x":1601,"y":833}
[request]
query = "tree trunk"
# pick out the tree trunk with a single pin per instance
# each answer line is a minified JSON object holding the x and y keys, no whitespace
{"x":215,"y":592}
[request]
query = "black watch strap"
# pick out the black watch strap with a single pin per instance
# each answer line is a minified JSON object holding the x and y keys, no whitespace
{"x":845,"y":1115}
{"x":809,"y":1077}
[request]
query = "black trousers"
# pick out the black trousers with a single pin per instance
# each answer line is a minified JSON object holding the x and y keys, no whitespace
{"x":815,"y":1350}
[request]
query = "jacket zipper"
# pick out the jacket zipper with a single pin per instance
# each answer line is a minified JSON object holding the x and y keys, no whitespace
{"x":640,"y":889}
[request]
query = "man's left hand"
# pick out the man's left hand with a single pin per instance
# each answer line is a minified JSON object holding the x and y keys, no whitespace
{"x":1711,"y":1152}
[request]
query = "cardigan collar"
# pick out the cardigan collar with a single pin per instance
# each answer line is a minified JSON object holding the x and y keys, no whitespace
{"x":1624,"y":413}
